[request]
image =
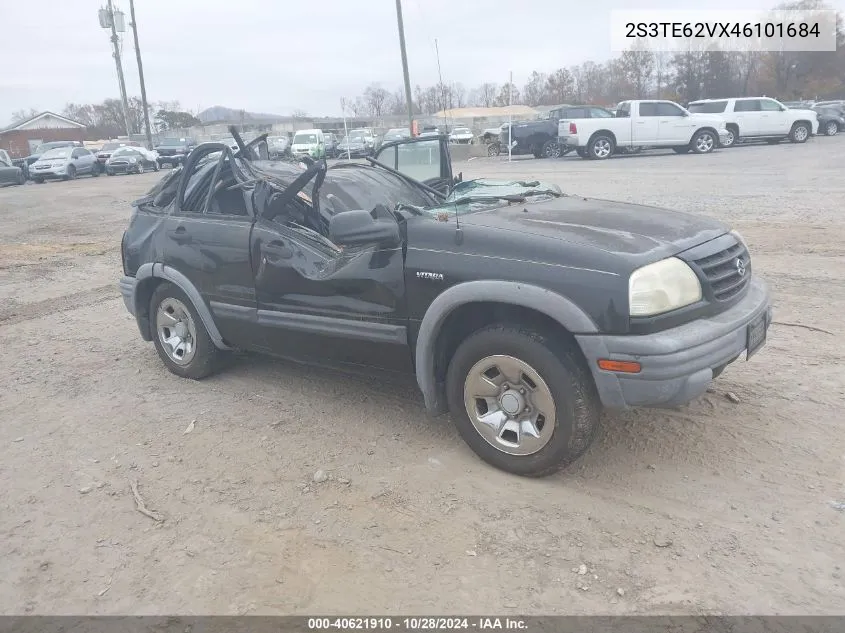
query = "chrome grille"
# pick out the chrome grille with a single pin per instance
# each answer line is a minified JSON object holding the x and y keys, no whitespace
{"x":727,"y":272}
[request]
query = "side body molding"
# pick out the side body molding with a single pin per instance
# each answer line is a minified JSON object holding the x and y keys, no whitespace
{"x":556,"y":306}
{"x":175,"y":277}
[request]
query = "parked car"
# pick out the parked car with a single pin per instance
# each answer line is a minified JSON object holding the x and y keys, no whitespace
{"x":522,"y":320}
{"x":354,"y":147}
{"x":10,"y":174}
{"x":396,"y":134}
{"x":331,"y":144}
{"x":643,"y":124}
{"x":131,"y":160}
{"x":799,"y":104}
{"x":173,"y":151}
{"x":429,"y":131}
{"x":393,"y":134}
{"x":65,"y":163}
{"x":24,"y":163}
{"x":540,"y":137}
{"x":278,"y":146}
{"x":759,"y":118}
{"x":491,"y":137}
{"x":461,"y":135}
{"x":839,"y":103}
{"x":831,"y":119}
{"x":106,"y":150}
{"x":309,"y":143}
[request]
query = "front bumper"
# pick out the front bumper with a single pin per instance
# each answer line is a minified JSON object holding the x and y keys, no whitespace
{"x":171,"y":160}
{"x":122,"y":168}
{"x":677,"y":364}
{"x":52,"y":172}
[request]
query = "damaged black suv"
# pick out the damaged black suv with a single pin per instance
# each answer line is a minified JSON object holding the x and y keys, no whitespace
{"x":521,"y":310}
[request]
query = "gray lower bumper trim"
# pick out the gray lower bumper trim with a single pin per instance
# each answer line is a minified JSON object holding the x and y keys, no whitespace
{"x":677,"y":364}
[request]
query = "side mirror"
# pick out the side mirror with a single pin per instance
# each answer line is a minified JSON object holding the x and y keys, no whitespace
{"x":359,"y":227}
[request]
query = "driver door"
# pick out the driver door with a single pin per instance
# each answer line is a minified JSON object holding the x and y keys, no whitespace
{"x":327,"y":302}
{"x":426,"y":160}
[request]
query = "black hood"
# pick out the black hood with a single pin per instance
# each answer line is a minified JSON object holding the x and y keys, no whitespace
{"x":614,"y":227}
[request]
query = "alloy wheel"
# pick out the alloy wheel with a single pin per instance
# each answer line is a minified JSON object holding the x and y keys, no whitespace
{"x":176,"y":331}
{"x":601,"y":148}
{"x":509,"y":405}
{"x":704,"y":142}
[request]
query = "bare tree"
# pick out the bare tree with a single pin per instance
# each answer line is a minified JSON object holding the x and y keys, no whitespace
{"x":559,"y":88}
{"x":534,"y":92}
{"x":508,"y":95}
{"x":299,"y":114}
{"x":637,"y":67}
{"x":485,"y":95}
{"x":661,"y":72}
{"x":376,"y":98}
{"x":23,"y":114}
{"x":459,"y":95}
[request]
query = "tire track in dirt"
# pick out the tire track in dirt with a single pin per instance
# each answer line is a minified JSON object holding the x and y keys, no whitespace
{"x":17,"y":313}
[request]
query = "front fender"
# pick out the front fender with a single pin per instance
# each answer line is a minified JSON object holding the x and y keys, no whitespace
{"x":553,"y":305}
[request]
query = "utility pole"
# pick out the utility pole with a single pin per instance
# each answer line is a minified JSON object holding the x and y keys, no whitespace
{"x":405,"y":67}
{"x":107,"y":21}
{"x":141,"y":76}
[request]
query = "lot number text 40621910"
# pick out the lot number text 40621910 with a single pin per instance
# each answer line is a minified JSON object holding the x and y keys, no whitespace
{"x":417,"y":624}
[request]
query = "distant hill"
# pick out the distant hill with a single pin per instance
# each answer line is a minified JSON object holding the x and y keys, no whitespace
{"x":221,"y":114}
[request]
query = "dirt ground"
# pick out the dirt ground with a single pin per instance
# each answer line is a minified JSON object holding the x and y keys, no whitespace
{"x":717,"y":507}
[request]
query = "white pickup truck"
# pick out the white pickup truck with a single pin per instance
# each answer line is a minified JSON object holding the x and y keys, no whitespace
{"x":643,"y":124}
{"x":751,"y":118}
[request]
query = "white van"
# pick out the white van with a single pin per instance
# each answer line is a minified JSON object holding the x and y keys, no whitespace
{"x":310,"y":142}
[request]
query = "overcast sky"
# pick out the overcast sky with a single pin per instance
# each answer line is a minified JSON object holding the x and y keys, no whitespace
{"x":279,"y":55}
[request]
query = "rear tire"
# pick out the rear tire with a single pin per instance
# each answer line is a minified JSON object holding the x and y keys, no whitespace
{"x":800,"y":133}
{"x":601,"y":147}
{"x":831,"y":128}
{"x":21,"y":180}
{"x":38,"y":181}
{"x":544,"y":378}
{"x":552,"y":149}
{"x":180,"y":338}
{"x":733,"y":137}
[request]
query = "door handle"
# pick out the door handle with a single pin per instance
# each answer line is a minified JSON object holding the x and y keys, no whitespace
{"x":278,"y":249}
{"x":180,"y":235}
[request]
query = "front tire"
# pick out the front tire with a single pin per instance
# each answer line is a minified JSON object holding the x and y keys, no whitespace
{"x":71,"y":173}
{"x":704,"y":142}
{"x":180,"y":338}
{"x":800,"y":133}
{"x":522,"y":400}
{"x":831,"y":129}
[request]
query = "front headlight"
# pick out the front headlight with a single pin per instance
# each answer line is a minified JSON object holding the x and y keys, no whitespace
{"x":663,"y":286}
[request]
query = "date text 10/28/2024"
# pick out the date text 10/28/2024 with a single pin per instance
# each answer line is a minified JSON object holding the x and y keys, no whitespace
{"x":418,"y":624}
